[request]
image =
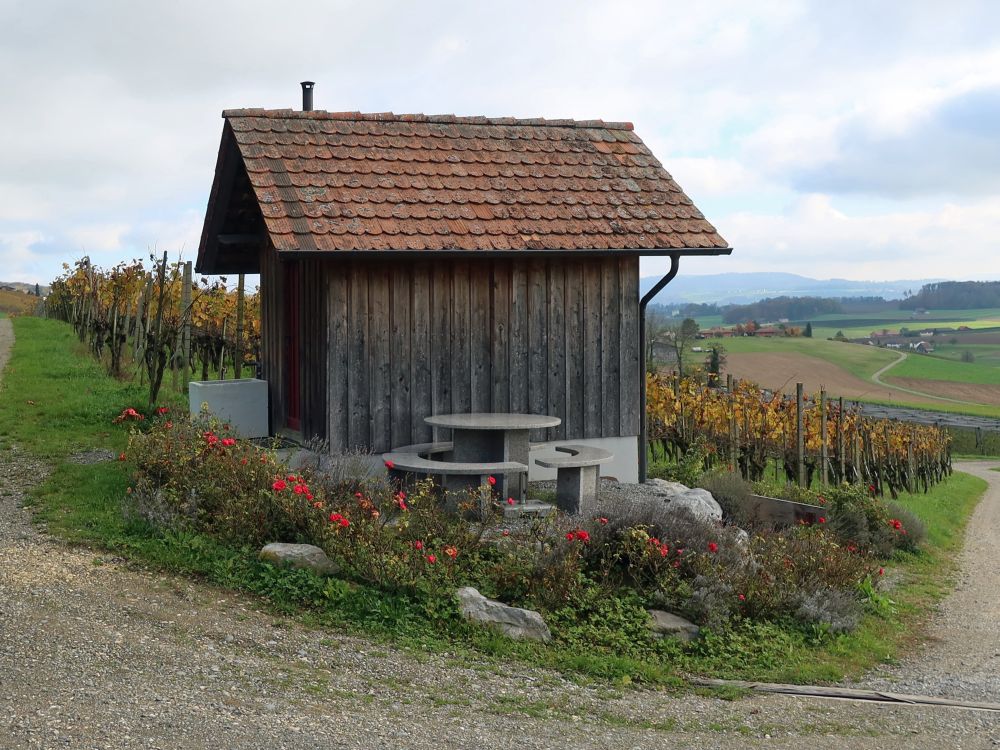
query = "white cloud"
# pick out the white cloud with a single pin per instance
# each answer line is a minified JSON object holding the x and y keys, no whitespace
{"x":17,"y":260}
{"x":97,"y":237}
{"x":110,"y":118}
{"x":710,"y":177}
{"x":815,"y":239}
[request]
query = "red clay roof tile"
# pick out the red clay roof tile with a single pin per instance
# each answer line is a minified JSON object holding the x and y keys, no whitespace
{"x":331,"y":181}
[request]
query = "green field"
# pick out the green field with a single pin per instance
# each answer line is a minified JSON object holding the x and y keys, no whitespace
{"x":987,"y":355}
{"x":859,"y":326}
{"x":937,"y":368}
{"x":859,"y":360}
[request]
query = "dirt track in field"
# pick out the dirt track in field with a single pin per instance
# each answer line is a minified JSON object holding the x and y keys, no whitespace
{"x":781,"y":370}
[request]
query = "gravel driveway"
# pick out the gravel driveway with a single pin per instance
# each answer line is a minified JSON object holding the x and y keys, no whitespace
{"x":97,"y":654}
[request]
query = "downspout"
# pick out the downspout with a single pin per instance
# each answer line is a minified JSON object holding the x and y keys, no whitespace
{"x":647,"y":298}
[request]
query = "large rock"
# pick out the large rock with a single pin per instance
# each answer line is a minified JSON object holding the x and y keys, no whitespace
{"x":667,"y":625}
{"x":305,"y":556}
{"x":700,"y":502}
{"x":521,"y":624}
{"x":664,"y":487}
{"x":697,"y":501}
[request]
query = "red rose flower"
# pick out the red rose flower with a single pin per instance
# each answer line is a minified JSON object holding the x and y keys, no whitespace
{"x":431,"y":559}
{"x":390,"y":465}
{"x":491,"y":480}
{"x":418,"y":545}
{"x":279,"y":485}
{"x":713,"y":547}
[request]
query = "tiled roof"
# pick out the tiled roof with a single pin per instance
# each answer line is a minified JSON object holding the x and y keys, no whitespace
{"x":348,"y":181}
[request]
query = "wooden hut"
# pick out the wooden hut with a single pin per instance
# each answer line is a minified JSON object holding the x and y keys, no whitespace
{"x":413,"y":265}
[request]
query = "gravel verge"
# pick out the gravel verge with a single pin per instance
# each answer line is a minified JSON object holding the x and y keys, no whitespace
{"x":95,"y":653}
{"x":961,"y":658}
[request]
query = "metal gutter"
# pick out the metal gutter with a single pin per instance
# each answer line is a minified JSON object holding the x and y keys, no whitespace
{"x":646,"y":299}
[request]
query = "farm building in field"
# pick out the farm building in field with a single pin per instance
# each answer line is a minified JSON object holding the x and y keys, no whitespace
{"x":413,"y":265}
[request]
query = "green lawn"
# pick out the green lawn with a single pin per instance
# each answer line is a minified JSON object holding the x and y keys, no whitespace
{"x":858,"y":359}
{"x":56,"y":400}
{"x":75,"y":403}
{"x":938,"y":368}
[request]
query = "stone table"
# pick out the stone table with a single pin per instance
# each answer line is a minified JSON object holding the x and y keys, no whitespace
{"x":482,"y":437}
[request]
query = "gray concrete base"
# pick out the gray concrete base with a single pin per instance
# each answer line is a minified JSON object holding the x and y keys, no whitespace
{"x":241,"y":403}
{"x":624,"y":466}
{"x":576,"y":489}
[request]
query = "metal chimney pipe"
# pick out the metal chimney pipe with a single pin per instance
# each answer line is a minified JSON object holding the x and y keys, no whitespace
{"x":307,"y":96}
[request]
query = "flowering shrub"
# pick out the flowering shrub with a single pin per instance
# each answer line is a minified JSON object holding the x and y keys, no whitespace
{"x":196,"y":476}
{"x":193,"y":475}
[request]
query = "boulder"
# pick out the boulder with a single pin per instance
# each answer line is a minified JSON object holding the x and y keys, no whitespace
{"x":514,"y":622}
{"x":663,"y":487}
{"x":305,"y":556}
{"x":668,"y":625}
{"x":699,"y":502}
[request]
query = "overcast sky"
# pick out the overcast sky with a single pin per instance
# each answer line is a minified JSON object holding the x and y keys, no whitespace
{"x":848,"y":139}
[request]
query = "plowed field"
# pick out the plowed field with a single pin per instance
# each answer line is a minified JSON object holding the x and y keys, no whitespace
{"x":782,"y":370}
{"x":977,"y":392}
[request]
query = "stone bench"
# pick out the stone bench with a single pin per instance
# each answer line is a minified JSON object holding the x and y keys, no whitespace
{"x":455,"y":475}
{"x":577,"y":476}
{"x":427,"y":449}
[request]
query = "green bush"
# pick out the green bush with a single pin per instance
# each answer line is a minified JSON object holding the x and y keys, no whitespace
{"x":733,"y":494}
{"x":688,"y":470}
{"x":593,"y":576}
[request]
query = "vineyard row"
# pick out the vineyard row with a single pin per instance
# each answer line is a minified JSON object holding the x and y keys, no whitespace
{"x":810,"y":439}
{"x":158,"y":319}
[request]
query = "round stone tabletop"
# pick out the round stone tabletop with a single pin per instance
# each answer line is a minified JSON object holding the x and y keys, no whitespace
{"x":488,"y":421}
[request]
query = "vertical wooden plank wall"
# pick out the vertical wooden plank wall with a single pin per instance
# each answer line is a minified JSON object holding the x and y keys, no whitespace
{"x":551,"y":336}
{"x":272,"y":335}
{"x":314,"y":338}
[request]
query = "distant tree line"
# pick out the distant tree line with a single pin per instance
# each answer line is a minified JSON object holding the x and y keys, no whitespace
{"x":776,"y":308}
{"x":954,"y":295}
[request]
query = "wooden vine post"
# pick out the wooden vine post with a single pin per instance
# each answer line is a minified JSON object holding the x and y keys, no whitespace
{"x":800,"y":446}
{"x":824,"y":453}
{"x":185,"y":353}
{"x":238,"y":348}
{"x":911,"y":465}
{"x":840,"y":440}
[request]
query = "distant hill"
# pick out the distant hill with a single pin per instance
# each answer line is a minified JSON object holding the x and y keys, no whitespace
{"x":743,"y":288}
{"x":21,"y":286}
{"x":16,"y":303}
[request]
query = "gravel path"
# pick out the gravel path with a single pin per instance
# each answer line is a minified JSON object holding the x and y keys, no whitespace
{"x":962,"y":658}
{"x":95,"y":653}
